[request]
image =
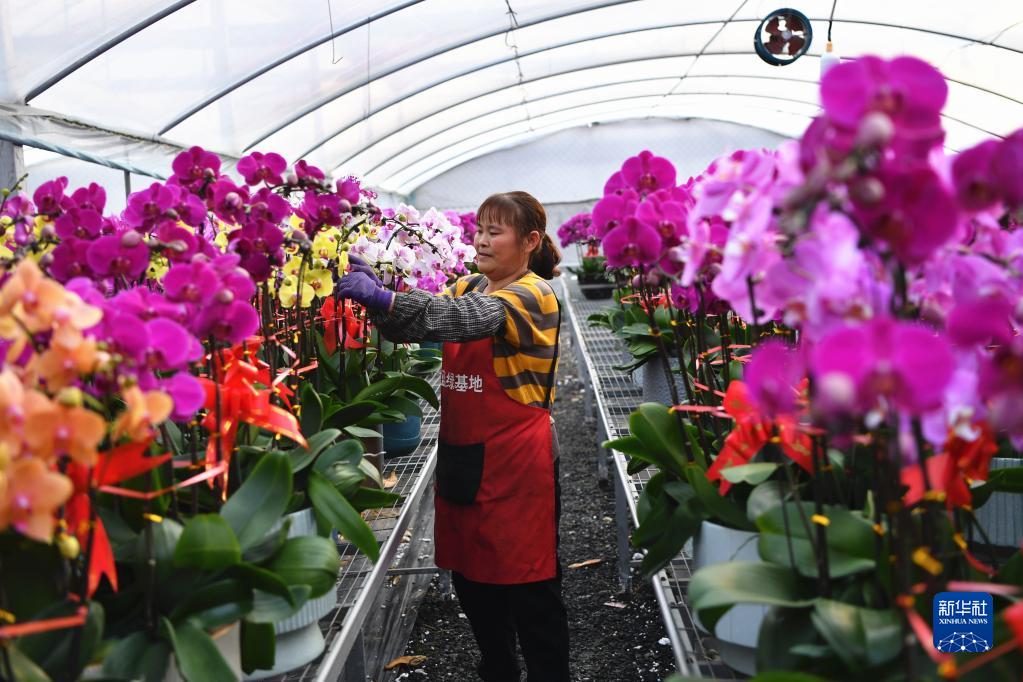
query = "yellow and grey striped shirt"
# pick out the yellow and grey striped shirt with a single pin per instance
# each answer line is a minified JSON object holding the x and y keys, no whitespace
{"x":524,"y":348}
{"x":523,"y":318}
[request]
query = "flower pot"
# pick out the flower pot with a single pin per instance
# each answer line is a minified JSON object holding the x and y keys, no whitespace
{"x":401,"y":438}
{"x":1001,"y":517}
{"x":655,"y":385}
{"x":738,"y":630}
{"x":435,"y":345}
{"x":299,"y":639}
{"x":596,"y":290}
{"x":227,"y":640}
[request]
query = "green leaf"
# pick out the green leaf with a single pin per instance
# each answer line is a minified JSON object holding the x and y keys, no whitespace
{"x":786,"y":676}
{"x":344,"y":416}
{"x":259,"y":578}
{"x":207,"y":542}
{"x":342,"y":515}
{"x":409,"y":408}
{"x":269,"y":545}
{"x":850,"y":539}
{"x":784,"y":640}
{"x":137,"y":658}
{"x":681,"y":525}
{"x":312,"y":409}
{"x":636,"y":329}
{"x":260,"y":502}
{"x":862,"y":637}
{"x":371,"y":498}
{"x":303,"y":457}
{"x":658,"y":431}
{"x":764,"y":497}
{"x":24,"y":668}
{"x":212,"y":595}
{"x":386,"y":387}
{"x":308,"y":560}
{"x":359,"y":432}
{"x":258,"y":645}
{"x":329,"y":364}
{"x":718,"y":507}
{"x":348,"y":451}
{"x":753,"y":474}
{"x":269,"y":608}
{"x":713,"y":590}
{"x":197,"y":656}
{"x":52,"y":650}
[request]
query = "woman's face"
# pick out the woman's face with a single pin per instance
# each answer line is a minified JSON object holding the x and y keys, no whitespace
{"x":499,"y":253}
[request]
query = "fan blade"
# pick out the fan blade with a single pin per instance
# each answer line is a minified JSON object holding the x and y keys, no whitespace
{"x":772,"y":26}
{"x":796,"y":44}
{"x":775,"y":44}
{"x":794,"y":23}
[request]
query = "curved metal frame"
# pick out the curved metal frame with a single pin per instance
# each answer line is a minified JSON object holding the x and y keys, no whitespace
{"x":587,"y":104}
{"x":480,"y":67}
{"x":734,"y":94}
{"x":97,"y":51}
{"x":538,"y":99}
{"x":281,"y":60}
{"x":539,"y":131}
{"x":436,"y":53}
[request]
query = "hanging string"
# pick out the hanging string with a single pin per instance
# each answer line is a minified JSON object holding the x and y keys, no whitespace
{"x":334,"y":59}
{"x":831,"y":18}
{"x":509,"y":41}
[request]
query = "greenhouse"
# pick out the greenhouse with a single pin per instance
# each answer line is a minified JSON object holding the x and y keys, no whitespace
{"x":591,"y":340}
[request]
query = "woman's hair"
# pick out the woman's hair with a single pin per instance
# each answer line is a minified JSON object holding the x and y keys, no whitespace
{"x":524,"y":213}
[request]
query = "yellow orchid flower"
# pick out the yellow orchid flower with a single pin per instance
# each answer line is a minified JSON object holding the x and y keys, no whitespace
{"x":325,"y":243}
{"x":289,"y":292}
{"x":158,"y":267}
{"x":321,"y":281}
{"x":293,"y":266}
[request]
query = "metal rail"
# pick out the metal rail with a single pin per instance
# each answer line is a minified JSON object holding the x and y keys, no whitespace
{"x":615,"y":396}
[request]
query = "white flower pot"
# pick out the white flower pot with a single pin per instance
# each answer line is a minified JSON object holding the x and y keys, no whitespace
{"x":738,"y":630}
{"x":299,"y":639}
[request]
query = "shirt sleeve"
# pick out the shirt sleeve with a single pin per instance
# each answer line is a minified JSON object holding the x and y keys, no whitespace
{"x":420,"y":316}
{"x":531,"y":311}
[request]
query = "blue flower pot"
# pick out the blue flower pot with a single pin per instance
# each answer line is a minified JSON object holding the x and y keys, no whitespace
{"x":401,"y":438}
{"x":436,"y":345}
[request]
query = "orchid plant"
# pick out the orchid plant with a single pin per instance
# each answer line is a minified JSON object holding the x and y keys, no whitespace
{"x":151,"y":420}
{"x":876,"y":279}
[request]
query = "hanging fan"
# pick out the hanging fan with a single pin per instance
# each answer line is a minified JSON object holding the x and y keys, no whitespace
{"x":783,"y":37}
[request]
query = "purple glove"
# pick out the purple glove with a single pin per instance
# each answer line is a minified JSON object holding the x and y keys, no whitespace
{"x":359,"y":287}
{"x":356,"y":264}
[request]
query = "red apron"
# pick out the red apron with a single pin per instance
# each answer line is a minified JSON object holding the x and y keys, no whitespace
{"x":495,"y":520}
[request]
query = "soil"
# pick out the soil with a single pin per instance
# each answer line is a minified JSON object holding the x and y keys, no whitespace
{"x":619,"y":642}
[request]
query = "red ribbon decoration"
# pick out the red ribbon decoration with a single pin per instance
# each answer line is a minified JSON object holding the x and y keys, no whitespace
{"x":35,"y":627}
{"x":752,"y":431}
{"x":948,"y":472}
{"x":240,"y":401}
{"x":354,"y":328}
{"x":115,"y":465}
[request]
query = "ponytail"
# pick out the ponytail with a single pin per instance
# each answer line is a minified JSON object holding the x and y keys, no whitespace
{"x":544,"y":261}
{"x":523,"y":212}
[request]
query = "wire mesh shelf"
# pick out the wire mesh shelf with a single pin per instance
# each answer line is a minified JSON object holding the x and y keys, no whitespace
{"x":616,"y":397}
{"x":359,"y":575}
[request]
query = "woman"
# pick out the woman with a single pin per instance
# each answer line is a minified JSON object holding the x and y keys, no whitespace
{"x":497,"y":493}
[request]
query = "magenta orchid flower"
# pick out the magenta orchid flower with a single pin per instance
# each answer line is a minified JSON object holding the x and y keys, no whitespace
{"x":881,"y":363}
{"x":49,"y":198}
{"x":149,"y":207}
{"x":666,"y":216}
{"x":258,"y":167}
{"x":118,"y":255}
{"x":632,"y":244}
{"x":1007,"y":168}
{"x":612,"y":210}
{"x":647,"y":173}
{"x":83,"y":223}
{"x":305,"y":171}
{"x":91,"y":198}
{"x":194,"y":167}
{"x":974,"y":180}
{"x":773,"y":376}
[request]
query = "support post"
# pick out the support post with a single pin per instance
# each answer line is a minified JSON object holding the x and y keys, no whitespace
{"x":12,"y":163}
{"x":622,"y":526}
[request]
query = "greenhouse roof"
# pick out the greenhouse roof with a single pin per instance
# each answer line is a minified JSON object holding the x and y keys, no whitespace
{"x":400,"y":91}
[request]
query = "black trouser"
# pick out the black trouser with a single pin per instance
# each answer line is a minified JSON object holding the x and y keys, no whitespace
{"x":533,"y":612}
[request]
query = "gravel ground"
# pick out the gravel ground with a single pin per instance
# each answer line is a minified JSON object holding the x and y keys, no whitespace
{"x":613,"y":643}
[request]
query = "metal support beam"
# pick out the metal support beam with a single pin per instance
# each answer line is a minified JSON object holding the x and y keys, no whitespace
{"x":76,"y":154}
{"x":12,"y":163}
{"x":97,"y":51}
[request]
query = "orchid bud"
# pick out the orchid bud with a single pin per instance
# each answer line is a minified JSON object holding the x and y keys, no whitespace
{"x":172,"y":214}
{"x":232,"y":200}
{"x":653,"y":278}
{"x":131,"y":239}
{"x":291,"y":179}
{"x":178,"y":246}
{"x":46,"y":261}
{"x":208,"y":174}
{"x":68,"y":546}
{"x":70,"y":397}
{"x":345,"y":206}
{"x":224,"y":296}
{"x":299,"y":235}
{"x":48,"y":233}
{"x":875,"y":130}
{"x":867,"y":191}
{"x":637,"y":282}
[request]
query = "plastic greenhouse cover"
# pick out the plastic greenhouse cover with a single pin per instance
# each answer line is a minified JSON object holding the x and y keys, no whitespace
{"x":400,"y":90}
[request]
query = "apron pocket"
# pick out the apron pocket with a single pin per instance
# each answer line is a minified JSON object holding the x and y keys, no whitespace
{"x":459,"y":472}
